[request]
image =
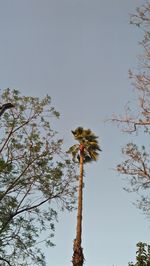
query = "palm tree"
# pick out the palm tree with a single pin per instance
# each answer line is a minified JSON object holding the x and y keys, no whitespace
{"x":85,"y":151}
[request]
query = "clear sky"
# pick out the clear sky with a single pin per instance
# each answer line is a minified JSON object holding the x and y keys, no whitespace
{"x":79,"y":52}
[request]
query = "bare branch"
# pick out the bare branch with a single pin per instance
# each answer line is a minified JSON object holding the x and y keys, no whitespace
{"x":5,"y":261}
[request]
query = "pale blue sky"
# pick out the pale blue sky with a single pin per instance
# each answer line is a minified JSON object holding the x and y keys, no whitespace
{"x":79,"y":52}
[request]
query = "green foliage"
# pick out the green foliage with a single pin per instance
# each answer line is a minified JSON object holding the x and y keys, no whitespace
{"x":36,"y":179}
{"x":89,"y":141}
{"x":142,"y":255}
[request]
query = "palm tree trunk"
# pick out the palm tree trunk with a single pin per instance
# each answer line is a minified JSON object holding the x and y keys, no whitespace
{"x":78,"y":257}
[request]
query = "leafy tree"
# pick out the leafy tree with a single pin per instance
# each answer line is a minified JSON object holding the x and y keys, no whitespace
{"x":85,"y":151}
{"x":142,"y":255}
{"x":36,"y":178}
{"x":136,"y":165}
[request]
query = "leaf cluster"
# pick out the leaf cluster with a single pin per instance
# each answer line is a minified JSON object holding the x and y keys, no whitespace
{"x":36,"y":178}
{"x":142,"y":255}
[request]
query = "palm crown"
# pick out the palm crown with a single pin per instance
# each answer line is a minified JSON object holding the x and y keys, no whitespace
{"x":87,"y":145}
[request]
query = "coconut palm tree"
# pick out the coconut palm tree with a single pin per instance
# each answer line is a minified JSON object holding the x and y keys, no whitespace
{"x":85,"y":151}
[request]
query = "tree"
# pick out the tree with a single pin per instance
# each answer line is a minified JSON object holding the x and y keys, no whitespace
{"x":85,"y":151}
{"x":136,"y":165}
{"x":36,"y":178}
{"x":143,"y":255}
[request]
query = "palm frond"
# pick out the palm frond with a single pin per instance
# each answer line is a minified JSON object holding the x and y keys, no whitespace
{"x":90,"y":143}
{"x":94,"y":155}
{"x":87,"y":159}
{"x":93,"y":146}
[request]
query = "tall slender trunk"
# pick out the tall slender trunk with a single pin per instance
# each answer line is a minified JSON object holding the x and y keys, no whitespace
{"x":78,"y":257}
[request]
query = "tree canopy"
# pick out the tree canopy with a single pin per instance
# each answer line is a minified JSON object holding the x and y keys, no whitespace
{"x":86,"y":140}
{"x":36,"y":178}
{"x":142,"y":255}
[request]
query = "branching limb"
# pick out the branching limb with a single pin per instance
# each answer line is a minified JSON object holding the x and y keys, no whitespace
{"x":2,"y":259}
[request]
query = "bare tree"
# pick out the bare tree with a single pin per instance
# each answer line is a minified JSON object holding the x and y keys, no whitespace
{"x":137,"y":159}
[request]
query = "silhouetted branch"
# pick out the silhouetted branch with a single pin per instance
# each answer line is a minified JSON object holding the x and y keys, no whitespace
{"x":4,"y":107}
{"x":5,"y":261}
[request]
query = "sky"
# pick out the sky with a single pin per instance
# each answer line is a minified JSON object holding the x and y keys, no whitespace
{"x":79,"y":52}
